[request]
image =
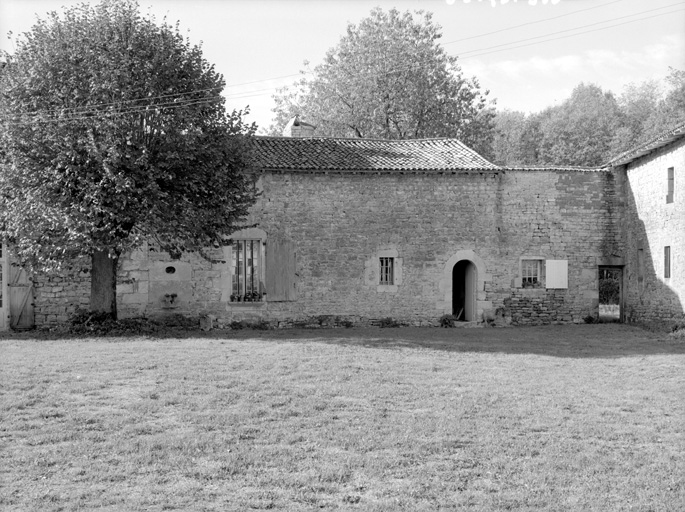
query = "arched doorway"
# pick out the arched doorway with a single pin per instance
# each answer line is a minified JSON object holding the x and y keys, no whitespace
{"x":464,"y":278}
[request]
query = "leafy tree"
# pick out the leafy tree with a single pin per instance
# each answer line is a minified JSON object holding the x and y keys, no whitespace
{"x":670,"y":109}
{"x":389,"y":78}
{"x":638,"y":104}
{"x":580,"y":130}
{"x":508,"y":146}
{"x":115,"y":133}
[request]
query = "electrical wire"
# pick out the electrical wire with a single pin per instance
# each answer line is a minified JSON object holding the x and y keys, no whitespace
{"x":82,"y":112}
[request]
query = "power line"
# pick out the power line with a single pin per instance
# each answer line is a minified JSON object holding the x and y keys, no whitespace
{"x":560,"y":37}
{"x":576,"y":28}
{"x":530,"y":23}
{"x":503,"y":30}
{"x":97,"y":106}
{"x":82,"y":113}
{"x":83,"y":116}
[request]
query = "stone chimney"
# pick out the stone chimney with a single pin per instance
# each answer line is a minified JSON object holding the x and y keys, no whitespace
{"x":297,"y":128}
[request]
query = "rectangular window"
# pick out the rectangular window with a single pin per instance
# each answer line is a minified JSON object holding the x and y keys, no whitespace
{"x":531,"y":273}
{"x":387,"y":271}
{"x":640,"y":265}
{"x":669,"y":195}
{"x":246,"y":271}
{"x":667,"y":262}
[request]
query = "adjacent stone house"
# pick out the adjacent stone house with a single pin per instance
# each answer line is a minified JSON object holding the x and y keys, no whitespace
{"x":357,"y":230}
{"x":652,"y":186}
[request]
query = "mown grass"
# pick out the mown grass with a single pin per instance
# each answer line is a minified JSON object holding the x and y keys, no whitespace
{"x":552,"y":418}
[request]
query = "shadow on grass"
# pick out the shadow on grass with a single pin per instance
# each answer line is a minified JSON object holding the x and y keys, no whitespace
{"x":575,"y":341}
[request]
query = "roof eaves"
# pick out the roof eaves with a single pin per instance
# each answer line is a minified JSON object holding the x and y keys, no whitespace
{"x":646,"y":148}
{"x":384,"y":170}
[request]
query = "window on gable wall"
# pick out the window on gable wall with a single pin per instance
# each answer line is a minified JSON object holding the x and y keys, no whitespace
{"x":387,"y":271}
{"x":671,"y":180}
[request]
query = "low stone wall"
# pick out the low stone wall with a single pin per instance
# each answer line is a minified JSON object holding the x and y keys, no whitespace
{"x":58,"y":295}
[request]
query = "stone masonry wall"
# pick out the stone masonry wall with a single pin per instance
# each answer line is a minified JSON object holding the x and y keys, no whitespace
{"x":58,"y":295}
{"x":650,"y":225}
{"x":341,"y":223}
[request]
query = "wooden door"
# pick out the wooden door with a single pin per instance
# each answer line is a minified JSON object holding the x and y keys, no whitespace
{"x":20,"y":297}
{"x":4,"y":311}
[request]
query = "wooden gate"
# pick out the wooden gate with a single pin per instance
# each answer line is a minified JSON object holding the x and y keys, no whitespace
{"x":21,"y":298}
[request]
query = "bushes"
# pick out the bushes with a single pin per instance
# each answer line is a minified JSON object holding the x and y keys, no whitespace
{"x":98,"y":324}
{"x":448,"y":320}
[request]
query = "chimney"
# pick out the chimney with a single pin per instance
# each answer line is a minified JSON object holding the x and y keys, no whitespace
{"x":297,"y":128}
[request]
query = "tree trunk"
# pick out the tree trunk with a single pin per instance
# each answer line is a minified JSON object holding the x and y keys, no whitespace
{"x":103,"y":283}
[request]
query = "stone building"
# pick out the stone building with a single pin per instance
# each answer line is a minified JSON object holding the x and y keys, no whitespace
{"x":652,"y":179}
{"x":357,"y":231}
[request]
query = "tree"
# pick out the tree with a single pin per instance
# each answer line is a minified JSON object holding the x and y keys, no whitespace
{"x":508,"y":144}
{"x":580,"y":130}
{"x":115,"y":133}
{"x":670,"y":109}
{"x":638,"y":104}
{"x":389,"y":78}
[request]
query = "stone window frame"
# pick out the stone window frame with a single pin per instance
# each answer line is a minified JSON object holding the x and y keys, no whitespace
{"x":667,"y":262}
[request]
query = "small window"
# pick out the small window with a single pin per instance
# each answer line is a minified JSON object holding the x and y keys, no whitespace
{"x":387,"y":274}
{"x":667,"y":261}
{"x":531,"y":273}
{"x":246,"y":285}
{"x":669,"y":195}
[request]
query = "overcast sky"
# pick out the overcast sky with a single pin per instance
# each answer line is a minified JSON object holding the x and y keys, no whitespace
{"x":528,"y":53}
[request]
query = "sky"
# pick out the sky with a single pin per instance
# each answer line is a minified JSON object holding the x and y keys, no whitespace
{"x":529,"y":54}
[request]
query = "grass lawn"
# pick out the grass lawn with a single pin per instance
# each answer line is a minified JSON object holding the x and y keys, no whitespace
{"x":588,"y":417}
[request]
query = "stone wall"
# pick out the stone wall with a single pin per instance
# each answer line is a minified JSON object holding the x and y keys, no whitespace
{"x":340,"y":224}
{"x":650,"y":224}
{"x":58,"y":295}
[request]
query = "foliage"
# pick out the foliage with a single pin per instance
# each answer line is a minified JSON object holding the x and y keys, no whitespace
{"x":508,"y":147}
{"x":448,"y":320}
{"x":389,"y":78}
{"x":104,"y":324}
{"x":592,"y":126}
{"x":115,"y":132}
{"x":580,"y":130}
{"x":609,"y":288}
{"x":388,"y":322}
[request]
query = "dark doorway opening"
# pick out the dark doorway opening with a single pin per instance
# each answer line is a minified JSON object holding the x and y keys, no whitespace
{"x":610,"y":294}
{"x":464,"y":291}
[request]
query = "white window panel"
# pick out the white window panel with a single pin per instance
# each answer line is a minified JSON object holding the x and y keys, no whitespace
{"x":557,"y":274}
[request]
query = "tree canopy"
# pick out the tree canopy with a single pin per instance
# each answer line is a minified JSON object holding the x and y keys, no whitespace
{"x":389,"y":78}
{"x":592,"y":125}
{"x":114,"y":132}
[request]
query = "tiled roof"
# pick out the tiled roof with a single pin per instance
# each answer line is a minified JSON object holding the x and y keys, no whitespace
{"x":325,"y":154}
{"x":555,"y":168}
{"x":658,"y":142}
